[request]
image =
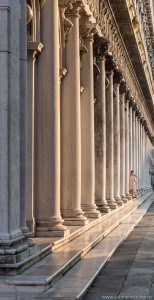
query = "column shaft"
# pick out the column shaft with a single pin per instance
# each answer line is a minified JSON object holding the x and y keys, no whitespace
{"x":87,"y":134}
{"x":122,"y":148}
{"x":109,"y":143}
{"x":130,"y":140}
{"x":100,"y":138}
{"x":117,"y":146}
{"x":47,"y":154}
{"x":127,"y":170}
{"x":71,"y":129}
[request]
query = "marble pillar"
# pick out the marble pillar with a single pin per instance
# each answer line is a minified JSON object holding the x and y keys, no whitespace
{"x":140,"y":164}
{"x":87,"y":133}
{"x":100,"y":46}
{"x":122,"y":148}
{"x":137,"y":154}
{"x":117,"y":79}
{"x":127,"y":170}
{"x":23,"y":116}
{"x":33,"y":49}
{"x":141,"y":156}
{"x":14,"y":246}
{"x":47,"y":150}
{"x":71,"y":126}
{"x":110,"y":66}
{"x":133,"y":141}
{"x":130,"y":139}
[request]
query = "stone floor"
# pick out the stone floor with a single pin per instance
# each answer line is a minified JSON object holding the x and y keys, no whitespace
{"x":129,"y":274}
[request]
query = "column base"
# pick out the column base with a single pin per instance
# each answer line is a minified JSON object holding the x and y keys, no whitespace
{"x":51,"y":228}
{"x":102,"y":205}
{"x":90,"y":211}
{"x":128,"y":196}
{"x":74,"y":217}
{"x":124,"y":200}
{"x":51,"y":232}
{"x":17,"y":254}
{"x":76,"y":222}
{"x":104,"y":208}
{"x":111,"y":203}
{"x":118,"y":201}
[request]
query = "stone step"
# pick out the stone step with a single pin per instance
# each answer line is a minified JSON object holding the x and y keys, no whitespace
{"x":78,"y":280}
{"x":53,"y":267}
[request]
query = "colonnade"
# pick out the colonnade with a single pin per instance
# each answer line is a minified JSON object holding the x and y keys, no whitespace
{"x":89,"y":132}
{"x":66,"y":152}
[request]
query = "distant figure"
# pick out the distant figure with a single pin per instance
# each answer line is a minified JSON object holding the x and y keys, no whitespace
{"x":132,"y":181}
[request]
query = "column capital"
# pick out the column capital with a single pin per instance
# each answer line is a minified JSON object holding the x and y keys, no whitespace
{"x":66,"y":24}
{"x":117,"y":77}
{"x":135,"y":107}
{"x":101,"y":45}
{"x":131,"y":102}
{"x":123,"y":87}
{"x":110,"y":63}
{"x":87,"y":28}
{"x":73,"y":8}
{"x":33,"y":49}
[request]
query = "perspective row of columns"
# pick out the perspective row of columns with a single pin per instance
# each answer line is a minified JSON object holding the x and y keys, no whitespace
{"x":82,"y":152}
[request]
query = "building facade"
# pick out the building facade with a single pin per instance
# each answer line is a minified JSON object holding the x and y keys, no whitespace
{"x":77,"y":114}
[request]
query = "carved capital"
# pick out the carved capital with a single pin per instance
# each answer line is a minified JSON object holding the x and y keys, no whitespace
{"x":101,"y":45}
{"x":110,"y":64}
{"x":131,"y":102}
{"x":74,"y":8}
{"x":87,"y":28}
{"x":117,"y":77}
{"x":66,"y":24}
{"x":142,"y":120}
{"x":135,"y":107}
{"x":138,"y":113}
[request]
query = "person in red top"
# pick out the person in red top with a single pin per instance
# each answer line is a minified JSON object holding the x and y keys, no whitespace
{"x":132,"y":181}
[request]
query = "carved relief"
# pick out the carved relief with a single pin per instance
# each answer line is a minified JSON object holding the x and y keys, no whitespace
{"x":66,"y":24}
{"x":101,"y":46}
{"x":110,"y":64}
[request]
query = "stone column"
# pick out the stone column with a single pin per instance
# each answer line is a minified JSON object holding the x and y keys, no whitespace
{"x":130,"y":138}
{"x":47,"y":150}
{"x":133,"y":141}
{"x":141,"y":161}
{"x":33,"y":49}
{"x":127,"y":170}
{"x":87,"y":126}
{"x":122,"y":148}
{"x":23,"y":115}
{"x":143,"y":155}
{"x":117,"y":80}
{"x":71,"y":126}
{"x":137,"y":148}
{"x":14,"y":246}
{"x":140,"y":164}
{"x":110,"y":66}
{"x":100,"y":47}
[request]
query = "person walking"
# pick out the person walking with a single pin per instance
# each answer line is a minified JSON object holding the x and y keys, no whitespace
{"x":132,"y":181}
